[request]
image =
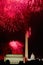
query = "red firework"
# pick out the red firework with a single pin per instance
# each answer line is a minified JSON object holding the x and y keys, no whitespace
{"x":16,"y":47}
{"x":15,"y":13}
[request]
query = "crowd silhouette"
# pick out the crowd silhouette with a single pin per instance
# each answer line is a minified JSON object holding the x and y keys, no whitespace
{"x":21,"y":62}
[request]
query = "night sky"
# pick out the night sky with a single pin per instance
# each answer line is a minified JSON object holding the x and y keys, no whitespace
{"x":14,"y":28}
{"x":36,"y":39}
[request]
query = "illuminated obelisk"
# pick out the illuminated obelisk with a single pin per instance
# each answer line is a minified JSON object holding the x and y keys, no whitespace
{"x":27,"y":35}
{"x":26,"y":45}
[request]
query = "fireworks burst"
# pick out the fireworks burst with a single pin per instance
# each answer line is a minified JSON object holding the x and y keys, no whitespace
{"x":14,"y":14}
{"x":16,"y":47}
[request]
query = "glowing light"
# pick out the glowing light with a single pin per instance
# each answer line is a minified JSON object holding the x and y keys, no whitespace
{"x":13,"y":44}
{"x":32,"y":57}
{"x":17,"y":47}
